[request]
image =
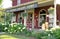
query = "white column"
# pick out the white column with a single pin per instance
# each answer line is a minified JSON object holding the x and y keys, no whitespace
{"x":33,"y":20}
{"x":25,"y":19}
{"x":12,"y":18}
{"x":54,"y":14}
{"x":5,"y":18}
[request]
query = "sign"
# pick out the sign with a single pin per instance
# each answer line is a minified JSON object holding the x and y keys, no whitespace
{"x":31,"y":6}
{"x":16,"y":9}
{"x":23,"y":8}
{"x":51,"y":10}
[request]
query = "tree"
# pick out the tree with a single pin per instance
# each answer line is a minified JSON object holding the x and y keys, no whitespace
{"x":0,"y":1}
{"x":2,"y":14}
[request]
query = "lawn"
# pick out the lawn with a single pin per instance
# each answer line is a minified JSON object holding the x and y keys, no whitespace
{"x":12,"y":36}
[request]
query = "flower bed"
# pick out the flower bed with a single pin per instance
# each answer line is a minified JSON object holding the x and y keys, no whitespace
{"x":17,"y":28}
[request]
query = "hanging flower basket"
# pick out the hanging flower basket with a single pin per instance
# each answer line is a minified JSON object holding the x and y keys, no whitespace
{"x":51,"y":10}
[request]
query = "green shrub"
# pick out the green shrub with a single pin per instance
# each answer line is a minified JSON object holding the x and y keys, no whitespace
{"x":1,"y":28}
{"x":44,"y":35}
{"x":56,"y":33}
{"x":41,"y":35}
{"x":16,"y":28}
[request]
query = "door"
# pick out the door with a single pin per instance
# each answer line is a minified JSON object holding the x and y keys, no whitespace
{"x":42,"y":17}
{"x":29,"y":20}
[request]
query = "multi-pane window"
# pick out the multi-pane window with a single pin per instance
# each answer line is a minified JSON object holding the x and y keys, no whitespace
{"x":18,"y":2}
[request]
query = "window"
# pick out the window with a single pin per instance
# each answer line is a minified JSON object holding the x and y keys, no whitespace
{"x":42,"y":17}
{"x":18,"y":2}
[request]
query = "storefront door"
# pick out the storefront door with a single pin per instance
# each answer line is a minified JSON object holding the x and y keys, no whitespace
{"x":42,"y":17}
{"x":29,"y":20}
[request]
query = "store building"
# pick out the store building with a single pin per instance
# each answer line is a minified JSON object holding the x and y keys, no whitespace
{"x":32,"y":13}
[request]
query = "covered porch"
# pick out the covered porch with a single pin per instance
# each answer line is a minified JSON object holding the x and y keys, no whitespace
{"x":31,"y":14}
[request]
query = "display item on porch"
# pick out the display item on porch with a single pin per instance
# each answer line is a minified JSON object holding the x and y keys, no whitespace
{"x":43,"y":26}
{"x":46,"y":25}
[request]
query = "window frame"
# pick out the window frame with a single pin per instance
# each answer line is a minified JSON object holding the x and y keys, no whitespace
{"x":18,"y":2}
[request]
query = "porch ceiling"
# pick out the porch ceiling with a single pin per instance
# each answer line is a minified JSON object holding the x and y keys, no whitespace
{"x":46,"y":3}
{"x":23,"y":6}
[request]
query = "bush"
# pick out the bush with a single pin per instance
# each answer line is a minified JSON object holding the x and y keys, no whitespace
{"x":50,"y":34}
{"x":41,"y":35}
{"x":56,"y":33}
{"x":1,"y":28}
{"x":45,"y":34}
{"x":16,"y":28}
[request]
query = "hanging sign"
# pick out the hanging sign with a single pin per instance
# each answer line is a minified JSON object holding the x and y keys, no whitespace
{"x":32,"y":6}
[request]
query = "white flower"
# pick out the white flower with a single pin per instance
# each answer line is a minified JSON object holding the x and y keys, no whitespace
{"x":50,"y":30}
{"x":23,"y":27}
{"x":47,"y":30}
{"x":17,"y":31}
{"x":3,"y":24}
{"x":48,"y":34}
{"x":19,"y":28}
{"x":5,"y":28}
{"x":10,"y":32}
{"x":11,"y":24}
{"x":53,"y":29}
{"x":11,"y":29}
{"x":14,"y":30}
{"x":14,"y":25}
{"x":30,"y":29}
{"x":57,"y":27}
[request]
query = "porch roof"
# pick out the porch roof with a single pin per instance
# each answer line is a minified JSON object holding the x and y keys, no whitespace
{"x":29,"y":5}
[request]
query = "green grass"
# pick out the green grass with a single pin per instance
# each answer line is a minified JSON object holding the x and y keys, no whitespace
{"x":12,"y":36}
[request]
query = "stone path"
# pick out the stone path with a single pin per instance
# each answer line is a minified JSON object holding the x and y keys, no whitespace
{"x":2,"y":32}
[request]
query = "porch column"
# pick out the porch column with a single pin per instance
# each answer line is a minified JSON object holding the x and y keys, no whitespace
{"x":54,"y":14}
{"x":52,"y":17}
{"x":33,"y":21}
{"x":25,"y":19}
{"x":13,"y":18}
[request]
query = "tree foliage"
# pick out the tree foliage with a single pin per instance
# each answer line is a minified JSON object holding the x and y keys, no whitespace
{"x":4,"y":16}
{"x":1,"y":15}
{"x":0,"y":1}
